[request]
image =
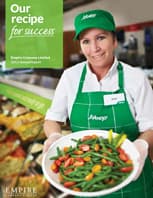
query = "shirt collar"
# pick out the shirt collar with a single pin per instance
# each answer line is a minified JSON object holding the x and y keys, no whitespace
{"x":111,"y":71}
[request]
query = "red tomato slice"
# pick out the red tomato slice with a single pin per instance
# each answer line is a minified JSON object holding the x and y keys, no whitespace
{"x":84,"y":147}
{"x":120,"y":150}
{"x":67,"y":171}
{"x":58,"y":162}
{"x":78,"y":152}
{"x":124,"y":157}
{"x":68,"y":162}
{"x":68,"y":184}
{"x":126,"y":169}
{"x":78,"y":163}
{"x":54,"y":168}
{"x":87,"y":137}
{"x":79,"y":159}
{"x":63,"y":158}
{"x":110,"y":163}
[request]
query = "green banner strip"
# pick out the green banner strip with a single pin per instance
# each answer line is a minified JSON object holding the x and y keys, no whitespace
{"x":28,"y":99}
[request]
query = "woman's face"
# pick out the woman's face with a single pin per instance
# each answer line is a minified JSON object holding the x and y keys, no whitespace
{"x":98,"y":47}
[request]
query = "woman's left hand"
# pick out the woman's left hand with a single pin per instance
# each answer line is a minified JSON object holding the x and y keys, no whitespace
{"x":142,"y":147}
{"x":52,"y":138}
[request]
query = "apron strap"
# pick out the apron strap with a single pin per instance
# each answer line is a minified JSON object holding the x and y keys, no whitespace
{"x":82,"y":78}
{"x":120,"y":77}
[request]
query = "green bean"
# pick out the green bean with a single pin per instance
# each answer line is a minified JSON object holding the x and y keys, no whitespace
{"x":119,"y":173}
{"x":97,"y":187}
{"x":71,"y":179}
{"x":86,"y":167}
{"x":103,"y":156}
{"x":112,"y":147}
{"x":82,"y":155}
{"x":110,"y":153}
{"x":70,"y":150}
{"x":102,"y":144}
{"x":96,"y":161}
{"x":90,"y":141}
{"x":78,"y":173}
{"x":59,"y":151}
{"x":81,"y":184}
{"x":54,"y":157}
{"x":97,"y":179}
{"x":77,"y":141}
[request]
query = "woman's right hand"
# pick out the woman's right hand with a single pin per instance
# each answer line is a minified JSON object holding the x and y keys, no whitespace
{"x":51,"y":138}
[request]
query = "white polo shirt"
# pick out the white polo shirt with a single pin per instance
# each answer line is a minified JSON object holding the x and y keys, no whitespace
{"x":137,"y":88}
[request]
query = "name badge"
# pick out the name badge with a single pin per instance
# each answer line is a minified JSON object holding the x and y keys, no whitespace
{"x":114,"y":99}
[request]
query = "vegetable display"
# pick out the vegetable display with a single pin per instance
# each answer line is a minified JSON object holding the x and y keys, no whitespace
{"x":93,"y":164}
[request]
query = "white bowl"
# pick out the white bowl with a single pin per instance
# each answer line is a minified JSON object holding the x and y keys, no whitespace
{"x":66,"y":141}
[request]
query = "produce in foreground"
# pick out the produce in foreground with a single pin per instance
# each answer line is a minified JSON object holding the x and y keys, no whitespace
{"x":93,"y":164}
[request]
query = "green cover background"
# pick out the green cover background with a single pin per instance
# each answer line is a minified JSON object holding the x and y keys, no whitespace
{"x":52,"y":47}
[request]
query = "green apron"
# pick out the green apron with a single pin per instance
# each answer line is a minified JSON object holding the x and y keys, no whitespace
{"x":110,"y":110}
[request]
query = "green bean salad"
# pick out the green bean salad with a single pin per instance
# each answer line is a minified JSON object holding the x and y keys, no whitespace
{"x":93,"y":164}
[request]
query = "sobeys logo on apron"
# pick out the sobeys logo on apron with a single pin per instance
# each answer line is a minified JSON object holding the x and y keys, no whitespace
{"x":97,"y":118}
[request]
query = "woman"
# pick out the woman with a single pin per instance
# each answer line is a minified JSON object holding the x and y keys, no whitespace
{"x":103,"y":93}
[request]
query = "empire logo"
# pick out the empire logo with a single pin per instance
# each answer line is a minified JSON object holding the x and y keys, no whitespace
{"x":21,"y":191}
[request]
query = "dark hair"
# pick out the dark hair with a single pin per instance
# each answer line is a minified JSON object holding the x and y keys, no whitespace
{"x":114,"y":34}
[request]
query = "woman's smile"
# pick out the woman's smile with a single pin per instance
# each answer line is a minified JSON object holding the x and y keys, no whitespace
{"x":97,"y":56}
